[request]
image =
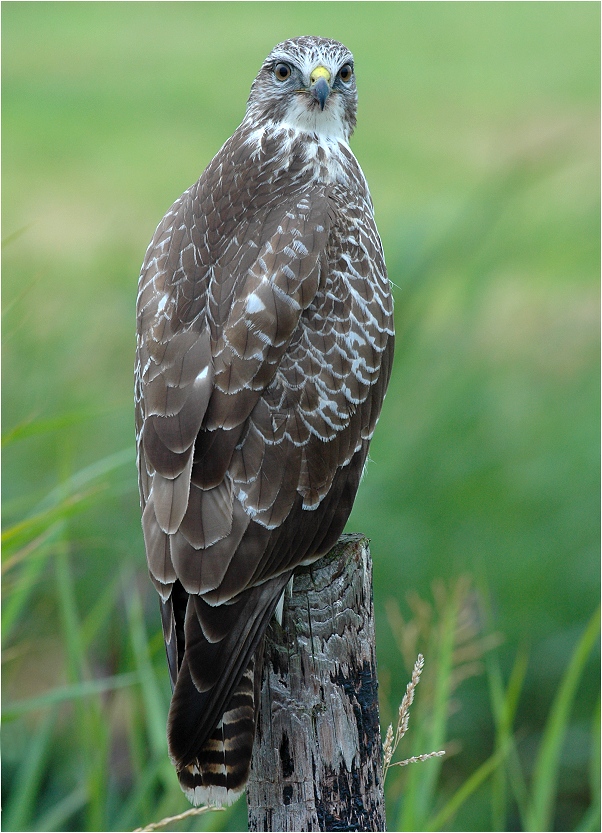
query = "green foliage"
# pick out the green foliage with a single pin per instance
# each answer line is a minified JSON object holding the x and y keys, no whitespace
{"x":547,"y":765}
{"x":479,"y":134}
{"x":452,"y":637}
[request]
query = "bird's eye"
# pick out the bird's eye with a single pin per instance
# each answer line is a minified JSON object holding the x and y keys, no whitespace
{"x":282,"y":71}
{"x":345,"y":73}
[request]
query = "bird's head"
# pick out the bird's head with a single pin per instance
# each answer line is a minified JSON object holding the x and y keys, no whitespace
{"x":307,"y":83}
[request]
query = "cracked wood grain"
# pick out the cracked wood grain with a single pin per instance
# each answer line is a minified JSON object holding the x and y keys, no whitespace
{"x":317,"y":759}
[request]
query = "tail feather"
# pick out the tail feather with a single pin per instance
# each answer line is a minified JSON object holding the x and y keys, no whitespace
{"x":219,"y":774}
{"x":211,"y":722}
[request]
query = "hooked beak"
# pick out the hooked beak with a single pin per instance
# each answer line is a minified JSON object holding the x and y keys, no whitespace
{"x":320,"y":87}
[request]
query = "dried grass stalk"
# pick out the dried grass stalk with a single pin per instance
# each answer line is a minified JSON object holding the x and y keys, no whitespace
{"x":392,"y":740}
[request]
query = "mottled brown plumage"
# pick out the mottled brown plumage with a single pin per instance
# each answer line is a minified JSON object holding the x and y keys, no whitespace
{"x":265,"y":342}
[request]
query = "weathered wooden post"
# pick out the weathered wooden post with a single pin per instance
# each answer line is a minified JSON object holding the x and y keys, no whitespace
{"x":317,"y":760}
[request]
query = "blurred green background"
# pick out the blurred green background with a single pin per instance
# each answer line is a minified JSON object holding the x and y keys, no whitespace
{"x":478,"y":132}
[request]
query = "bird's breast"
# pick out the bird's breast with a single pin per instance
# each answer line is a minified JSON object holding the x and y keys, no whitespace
{"x":302,"y":155}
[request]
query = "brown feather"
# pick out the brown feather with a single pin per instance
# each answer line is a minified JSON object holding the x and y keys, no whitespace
{"x":208,"y":517}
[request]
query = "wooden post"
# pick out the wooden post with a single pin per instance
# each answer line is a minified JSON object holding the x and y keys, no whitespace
{"x":317,"y":759}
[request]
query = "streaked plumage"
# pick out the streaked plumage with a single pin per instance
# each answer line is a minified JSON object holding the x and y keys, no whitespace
{"x":265,"y":342}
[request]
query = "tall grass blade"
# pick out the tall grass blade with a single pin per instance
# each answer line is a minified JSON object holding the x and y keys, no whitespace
{"x":11,"y":238}
{"x":36,"y":545}
{"x":89,"y":688}
{"x":100,"y":612}
{"x":40,"y":521}
{"x":420,"y":786}
{"x":437,"y":734}
{"x":22,"y":589}
{"x":56,"y":817}
{"x":70,"y":619}
{"x":21,"y":803}
{"x":88,"y":722}
{"x":466,"y":790}
{"x":545,"y":777}
{"x":504,"y":704}
{"x":71,"y":491}
{"x":592,"y":817}
{"x":77,"y":481}
{"x":33,"y":426}
{"x":146,"y":784}
{"x":153,"y":699}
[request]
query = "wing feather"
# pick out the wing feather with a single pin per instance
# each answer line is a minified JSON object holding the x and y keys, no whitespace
{"x":170,"y":498}
{"x":208,"y":517}
{"x":158,"y":553}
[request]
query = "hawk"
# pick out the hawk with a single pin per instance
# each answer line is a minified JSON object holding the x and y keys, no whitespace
{"x":264,"y":349}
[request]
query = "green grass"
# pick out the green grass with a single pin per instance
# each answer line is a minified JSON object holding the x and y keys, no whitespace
{"x":479,"y":135}
{"x":456,"y":648}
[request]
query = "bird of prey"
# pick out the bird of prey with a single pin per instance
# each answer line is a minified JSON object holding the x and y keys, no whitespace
{"x":264,"y":349}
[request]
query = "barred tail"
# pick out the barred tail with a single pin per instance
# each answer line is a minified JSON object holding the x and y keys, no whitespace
{"x":211,"y":721}
{"x":218,"y":776}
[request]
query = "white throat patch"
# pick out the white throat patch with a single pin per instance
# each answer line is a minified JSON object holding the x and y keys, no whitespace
{"x":327,"y":124}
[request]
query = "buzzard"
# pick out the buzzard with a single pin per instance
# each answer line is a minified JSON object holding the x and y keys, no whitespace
{"x":264,"y":349}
